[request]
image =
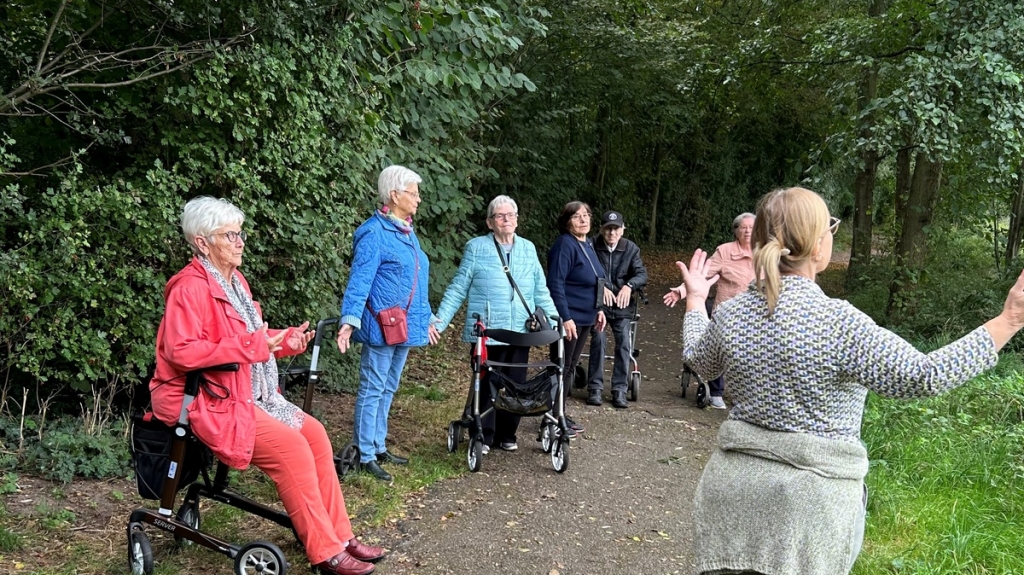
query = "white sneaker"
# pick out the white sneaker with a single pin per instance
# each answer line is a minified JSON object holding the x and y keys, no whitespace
{"x":485,"y":449}
{"x":716,"y":402}
{"x":509,"y":445}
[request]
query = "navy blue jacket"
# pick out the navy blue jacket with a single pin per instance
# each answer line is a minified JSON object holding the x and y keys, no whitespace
{"x":573,"y":270}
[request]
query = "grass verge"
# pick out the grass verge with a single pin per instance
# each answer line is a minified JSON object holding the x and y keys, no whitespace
{"x":945,"y":477}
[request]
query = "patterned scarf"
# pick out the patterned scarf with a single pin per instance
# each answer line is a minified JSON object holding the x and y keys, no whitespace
{"x":264,"y":375}
{"x":404,"y":225}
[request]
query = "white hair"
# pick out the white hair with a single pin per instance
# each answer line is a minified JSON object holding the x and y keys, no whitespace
{"x":499,"y":201}
{"x":203,"y":215}
{"x":738,"y":220}
{"x":395,"y":178}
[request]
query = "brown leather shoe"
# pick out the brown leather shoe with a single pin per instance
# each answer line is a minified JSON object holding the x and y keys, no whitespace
{"x":345,"y":564}
{"x":364,"y":552}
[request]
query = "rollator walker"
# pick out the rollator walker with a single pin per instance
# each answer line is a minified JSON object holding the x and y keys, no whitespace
{"x":540,"y":396}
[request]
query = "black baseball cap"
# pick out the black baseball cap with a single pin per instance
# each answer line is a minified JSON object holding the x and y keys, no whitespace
{"x":612,"y":219}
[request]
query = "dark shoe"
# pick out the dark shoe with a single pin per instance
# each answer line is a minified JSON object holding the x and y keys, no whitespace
{"x":344,"y":564}
{"x":364,"y":552}
{"x":619,"y":399}
{"x":573,"y":426}
{"x":376,"y":470}
{"x":595,"y":398}
{"x":388,"y":457}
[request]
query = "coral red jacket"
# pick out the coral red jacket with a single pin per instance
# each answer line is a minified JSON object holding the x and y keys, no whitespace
{"x":201,"y":329}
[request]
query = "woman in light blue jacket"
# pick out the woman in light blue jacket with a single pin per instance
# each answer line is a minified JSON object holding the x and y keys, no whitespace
{"x":481,"y":278}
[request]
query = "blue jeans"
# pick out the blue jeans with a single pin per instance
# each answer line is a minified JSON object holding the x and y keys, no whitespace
{"x":380,"y":368}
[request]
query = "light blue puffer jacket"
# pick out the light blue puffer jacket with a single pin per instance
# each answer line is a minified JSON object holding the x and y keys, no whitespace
{"x":383,"y":268}
{"x":482,"y":280}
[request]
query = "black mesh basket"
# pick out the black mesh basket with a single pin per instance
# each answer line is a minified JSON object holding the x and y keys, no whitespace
{"x":532,"y":397}
{"x":151,"y":457}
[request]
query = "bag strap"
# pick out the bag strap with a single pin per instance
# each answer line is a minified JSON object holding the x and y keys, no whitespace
{"x":589,"y":261}
{"x":508,"y":274}
{"x":415,"y":279}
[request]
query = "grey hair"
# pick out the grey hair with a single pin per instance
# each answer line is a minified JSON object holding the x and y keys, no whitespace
{"x":739,"y":220}
{"x":203,"y":215}
{"x":499,"y":201}
{"x":395,"y":178}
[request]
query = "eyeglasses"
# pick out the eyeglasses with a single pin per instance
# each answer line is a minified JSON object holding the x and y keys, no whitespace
{"x":233,"y":236}
{"x":581,"y":217}
{"x":833,"y":224}
{"x":413,"y":194}
{"x":505,"y":217}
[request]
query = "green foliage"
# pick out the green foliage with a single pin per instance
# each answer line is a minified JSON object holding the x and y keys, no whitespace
{"x":66,"y":452}
{"x":10,"y":541}
{"x":291,"y":121}
{"x":957,"y":290}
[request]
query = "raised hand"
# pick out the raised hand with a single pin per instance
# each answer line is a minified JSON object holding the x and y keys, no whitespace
{"x":674,"y":295}
{"x":299,"y":337}
{"x":695,"y":279}
{"x":273,"y":343}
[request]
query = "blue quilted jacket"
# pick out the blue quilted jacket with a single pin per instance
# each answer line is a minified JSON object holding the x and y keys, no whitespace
{"x":382,"y":272}
{"x":482,"y":280}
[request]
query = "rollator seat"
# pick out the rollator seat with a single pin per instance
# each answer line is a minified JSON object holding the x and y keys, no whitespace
{"x":533,"y":339}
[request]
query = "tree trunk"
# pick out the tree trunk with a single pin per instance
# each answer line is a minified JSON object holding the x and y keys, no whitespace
{"x":599,"y":161}
{"x":912,"y":247}
{"x":864,"y":185}
{"x":1016,"y":231}
{"x":902,"y":181}
{"x":652,"y":231}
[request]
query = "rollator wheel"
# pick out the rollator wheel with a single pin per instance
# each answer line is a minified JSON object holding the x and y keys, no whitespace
{"x":634,"y":386}
{"x":547,"y":437}
{"x":188,"y":514}
{"x":347,"y":459}
{"x":140,"y":552}
{"x":703,"y":394}
{"x":560,"y":455}
{"x":686,"y":380}
{"x":475,"y":454}
{"x":454,"y":431}
{"x":260,"y":558}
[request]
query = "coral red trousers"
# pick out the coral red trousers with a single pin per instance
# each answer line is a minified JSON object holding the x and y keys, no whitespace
{"x":301,"y":464}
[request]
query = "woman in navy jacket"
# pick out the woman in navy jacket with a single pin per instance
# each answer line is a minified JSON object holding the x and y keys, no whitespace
{"x":573,"y":276}
{"x":388,"y":269}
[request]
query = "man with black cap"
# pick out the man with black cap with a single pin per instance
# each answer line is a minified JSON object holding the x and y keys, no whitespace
{"x":625,"y":274}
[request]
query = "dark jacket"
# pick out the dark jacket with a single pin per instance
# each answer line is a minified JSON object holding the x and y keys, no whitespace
{"x":573,"y":271}
{"x":623,"y":266}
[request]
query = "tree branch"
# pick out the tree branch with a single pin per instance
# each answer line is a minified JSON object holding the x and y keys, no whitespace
{"x":49,"y":35}
{"x":61,"y":162}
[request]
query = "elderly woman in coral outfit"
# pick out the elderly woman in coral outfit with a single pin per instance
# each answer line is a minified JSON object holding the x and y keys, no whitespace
{"x":211,"y":319}
{"x":733,"y":263}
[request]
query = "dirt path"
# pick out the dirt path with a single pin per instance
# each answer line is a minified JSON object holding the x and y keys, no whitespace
{"x":623,"y":505}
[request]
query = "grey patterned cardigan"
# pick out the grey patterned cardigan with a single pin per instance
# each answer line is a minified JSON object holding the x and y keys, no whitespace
{"x":782,"y":495}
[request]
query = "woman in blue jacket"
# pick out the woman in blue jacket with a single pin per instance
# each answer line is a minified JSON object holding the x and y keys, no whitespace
{"x":389,"y":270}
{"x":576,"y":280}
{"x":481,"y":278}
